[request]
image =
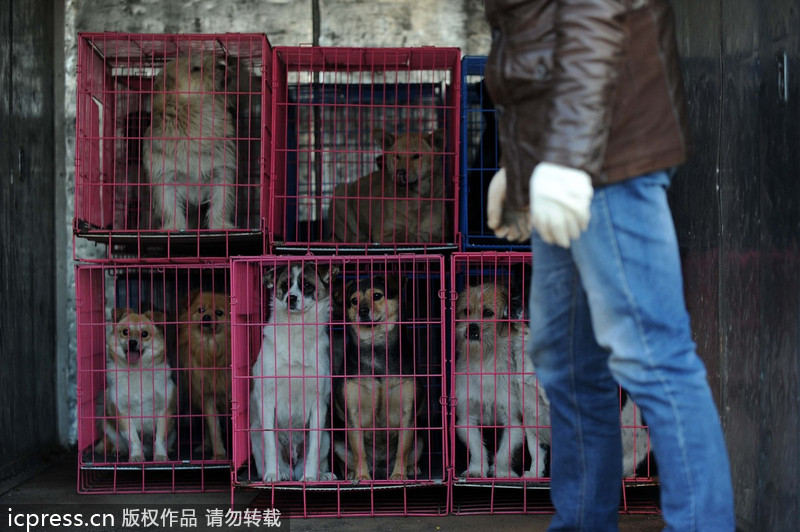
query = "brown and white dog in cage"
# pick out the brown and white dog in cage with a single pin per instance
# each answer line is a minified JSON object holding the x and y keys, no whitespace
{"x":140,"y":394}
{"x":204,"y":349}
{"x":189,"y":148}
{"x":495,"y":383}
{"x":291,"y":385}
{"x":379,"y":397}
{"x":401,"y":202}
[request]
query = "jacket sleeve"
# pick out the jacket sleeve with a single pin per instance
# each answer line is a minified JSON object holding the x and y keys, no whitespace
{"x":590,"y":37}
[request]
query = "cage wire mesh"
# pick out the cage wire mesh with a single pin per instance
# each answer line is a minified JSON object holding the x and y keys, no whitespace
{"x":338,"y":382}
{"x":154,"y":378}
{"x":365,"y":118}
{"x":171,"y":144}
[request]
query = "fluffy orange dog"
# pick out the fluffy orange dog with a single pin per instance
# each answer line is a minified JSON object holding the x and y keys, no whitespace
{"x":204,"y":343}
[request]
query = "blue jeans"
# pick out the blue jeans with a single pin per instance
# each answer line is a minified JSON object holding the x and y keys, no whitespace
{"x":610,"y":310}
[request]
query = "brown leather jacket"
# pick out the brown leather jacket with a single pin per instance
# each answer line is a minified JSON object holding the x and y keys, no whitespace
{"x":589,"y":84}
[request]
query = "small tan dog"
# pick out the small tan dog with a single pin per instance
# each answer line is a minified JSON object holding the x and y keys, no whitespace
{"x":378,"y":399}
{"x":403,"y":202}
{"x":140,"y":395}
{"x":189,"y":151}
{"x":204,"y":349}
{"x":496,"y":385}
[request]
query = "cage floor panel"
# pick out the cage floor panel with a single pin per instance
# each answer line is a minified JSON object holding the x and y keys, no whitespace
{"x":354,"y":501}
{"x":177,"y":478}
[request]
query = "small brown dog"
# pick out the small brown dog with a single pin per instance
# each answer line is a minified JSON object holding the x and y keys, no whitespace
{"x":204,"y":349}
{"x":379,"y":398}
{"x":140,"y":395}
{"x":403,"y":202}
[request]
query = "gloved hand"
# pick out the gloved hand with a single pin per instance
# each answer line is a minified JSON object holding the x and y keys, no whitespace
{"x":560,"y":198}
{"x":514,"y":225}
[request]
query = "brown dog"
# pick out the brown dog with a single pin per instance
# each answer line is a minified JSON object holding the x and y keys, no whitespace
{"x":140,"y":395}
{"x":378,"y":399}
{"x":403,"y":202}
{"x":204,"y":343}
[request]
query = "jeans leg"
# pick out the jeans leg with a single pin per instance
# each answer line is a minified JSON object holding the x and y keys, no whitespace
{"x":630,"y":268}
{"x":586,"y":456}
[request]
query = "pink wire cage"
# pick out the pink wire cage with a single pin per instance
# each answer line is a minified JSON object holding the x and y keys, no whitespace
{"x":172,"y":143}
{"x":369,"y":385}
{"x":153,"y":369}
{"x":499,"y":423}
{"x":365,"y":148}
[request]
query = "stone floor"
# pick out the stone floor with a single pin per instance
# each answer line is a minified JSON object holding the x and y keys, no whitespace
{"x":53,"y":489}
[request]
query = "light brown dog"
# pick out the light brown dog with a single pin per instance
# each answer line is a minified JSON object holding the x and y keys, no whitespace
{"x":204,"y":349}
{"x":189,"y":150}
{"x":402,"y":202}
{"x":379,"y":397}
{"x":140,"y":395}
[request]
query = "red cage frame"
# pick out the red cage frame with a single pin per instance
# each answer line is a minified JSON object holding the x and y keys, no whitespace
{"x":115,"y":196}
{"x":325,"y":103}
{"x":422,"y":492}
{"x":508,"y":273}
{"x":167,"y":293}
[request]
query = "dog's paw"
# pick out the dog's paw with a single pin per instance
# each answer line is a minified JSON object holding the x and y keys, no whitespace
{"x":220,"y":455}
{"x":502,"y":472}
{"x":473,"y":472}
{"x":398,"y":476}
{"x":327,"y":476}
{"x":160,"y":457}
{"x":532,"y":474}
{"x":136,"y":457}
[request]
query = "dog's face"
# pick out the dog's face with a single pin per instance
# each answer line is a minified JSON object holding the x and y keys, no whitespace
{"x":373,"y":301}
{"x":135,"y":339}
{"x":298,"y":288}
{"x":209,"y":314}
{"x":192,"y":75}
{"x":409,"y":158}
{"x":482,"y":314}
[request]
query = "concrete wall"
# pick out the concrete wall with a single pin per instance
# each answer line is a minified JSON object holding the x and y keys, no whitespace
{"x":286,"y":23}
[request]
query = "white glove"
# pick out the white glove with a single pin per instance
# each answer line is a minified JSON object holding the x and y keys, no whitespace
{"x":512,"y":225}
{"x":560,"y":198}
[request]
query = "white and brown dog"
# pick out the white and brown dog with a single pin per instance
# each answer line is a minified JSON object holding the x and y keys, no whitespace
{"x":495,"y":384}
{"x":291,"y":385}
{"x":189,"y":148}
{"x":402,"y":202}
{"x":140,"y":394}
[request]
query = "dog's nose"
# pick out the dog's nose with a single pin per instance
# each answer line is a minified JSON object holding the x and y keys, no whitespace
{"x":292,"y":300}
{"x":474,"y":331}
{"x":400,"y":176}
{"x":133,"y":345}
{"x":363,"y":313}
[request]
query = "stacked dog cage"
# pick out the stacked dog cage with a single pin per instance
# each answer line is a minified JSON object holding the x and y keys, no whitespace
{"x":365,"y":149}
{"x":171,"y":147}
{"x":499,"y":417}
{"x":338,"y":377}
{"x":171,"y":143}
{"x":480,"y":159}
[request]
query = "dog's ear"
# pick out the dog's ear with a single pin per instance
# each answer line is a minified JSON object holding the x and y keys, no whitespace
{"x":438,"y":139}
{"x":385,"y":139}
{"x":158,"y":318}
{"x":269,"y":278}
{"x":327,"y":274}
{"x":395,"y":285}
{"x":118,"y":313}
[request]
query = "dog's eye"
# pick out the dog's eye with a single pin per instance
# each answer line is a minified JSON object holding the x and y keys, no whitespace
{"x":354,"y":301}
{"x":415,"y":156}
{"x":218,"y":313}
{"x":195,"y":69}
{"x":145,"y":334}
{"x":377,"y":296}
{"x":124,"y":332}
{"x":488,"y":313}
{"x":308,"y":287}
{"x":201,"y":310}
